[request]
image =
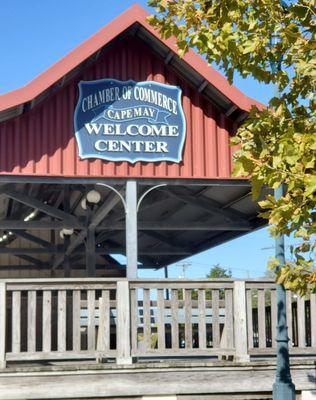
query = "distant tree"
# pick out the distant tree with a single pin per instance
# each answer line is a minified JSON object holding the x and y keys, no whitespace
{"x":219,"y":272}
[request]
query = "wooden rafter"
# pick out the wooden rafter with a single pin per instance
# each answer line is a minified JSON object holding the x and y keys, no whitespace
{"x":210,"y":206}
{"x":37,"y":204}
{"x":100,"y":214}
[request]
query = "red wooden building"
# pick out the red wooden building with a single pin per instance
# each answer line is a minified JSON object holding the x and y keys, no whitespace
{"x":70,"y":201}
{"x":44,"y":183}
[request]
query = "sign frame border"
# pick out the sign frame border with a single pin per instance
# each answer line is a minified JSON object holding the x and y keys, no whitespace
{"x":177,"y":159}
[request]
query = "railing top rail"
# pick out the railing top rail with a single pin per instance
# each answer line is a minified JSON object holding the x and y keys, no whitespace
{"x":110,"y":283}
{"x":61,"y":280}
{"x":181,"y":280}
{"x":261,"y":284}
{"x":139,"y":280}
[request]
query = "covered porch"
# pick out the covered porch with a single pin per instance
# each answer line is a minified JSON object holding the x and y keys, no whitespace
{"x":58,"y":227}
{"x":65,"y":295}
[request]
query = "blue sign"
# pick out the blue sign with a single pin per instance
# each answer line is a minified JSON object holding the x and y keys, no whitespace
{"x":129,"y":121}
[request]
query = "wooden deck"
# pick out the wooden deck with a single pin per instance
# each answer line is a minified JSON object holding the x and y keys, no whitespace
{"x":185,"y":380}
{"x":102,"y":337}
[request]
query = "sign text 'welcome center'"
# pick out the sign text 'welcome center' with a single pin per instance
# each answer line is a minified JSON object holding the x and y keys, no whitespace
{"x":129,"y":121}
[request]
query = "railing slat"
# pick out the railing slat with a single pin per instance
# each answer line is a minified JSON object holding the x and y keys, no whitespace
{"x":16,"y":322}
{"x":76,"y":334}
{"x":301,"y":321}
{"x":134,"y":319}
{"x":215,"y":318}
{"x":249,"y":318}
{"x":240,"y":322}
{"x":289,"y":317}
{"x":202,"y":321}
{"x":188,"y":318}
{"x":313,"y":319}
{"x":273,"y":317}
{"x":61,"y":322}
{"x":47,"y":320}
{"x":147,"y":327}
{"x":161,"y":319}
{"x":104,"y":321}
{"x":229,"y":323}
{"x":261,"y":318}
{"x":2,"y":324}
{"x":123,"y":327}
{"x":91,"y":320}
{"x":174,"y":320}
{"x":31,"y":321}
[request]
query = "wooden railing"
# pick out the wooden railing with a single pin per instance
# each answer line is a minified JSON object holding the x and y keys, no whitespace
{"x":58,"y":319}
{"x":54,"y":319}
{"x":181,"y":318}
{"x":262,"y":317}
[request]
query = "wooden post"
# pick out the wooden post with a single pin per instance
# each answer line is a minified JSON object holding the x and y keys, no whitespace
{"x":123,"y":329}
{"x":90,"y":253}
{"x":2,"y":324}
{"x":131,"y":229}
{"x":240,"y":322}
{"x":66,"y":237}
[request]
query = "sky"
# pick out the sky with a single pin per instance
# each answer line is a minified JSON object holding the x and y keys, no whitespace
{"x":34,"y":34}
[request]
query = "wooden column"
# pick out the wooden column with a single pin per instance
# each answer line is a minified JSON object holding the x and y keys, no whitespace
{"x":66,"y":237}
{"x":2,"y":324}
{"x":240,"y":322}
{"x":90,"y":253}
{"x":131,"y":229}
{"x":123,"y":329}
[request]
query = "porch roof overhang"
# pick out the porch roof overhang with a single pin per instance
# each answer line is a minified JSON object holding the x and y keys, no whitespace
{"x":175,"y":221}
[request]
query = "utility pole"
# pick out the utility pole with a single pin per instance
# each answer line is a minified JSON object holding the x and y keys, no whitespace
{"x":166,"y":277}
{"x":184,"y":266}
{"x":283,"y":387}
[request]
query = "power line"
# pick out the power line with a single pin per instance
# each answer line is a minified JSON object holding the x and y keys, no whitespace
{"x":184,"y":266}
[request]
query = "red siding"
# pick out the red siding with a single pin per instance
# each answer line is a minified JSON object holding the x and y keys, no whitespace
{"x":41,"y":142}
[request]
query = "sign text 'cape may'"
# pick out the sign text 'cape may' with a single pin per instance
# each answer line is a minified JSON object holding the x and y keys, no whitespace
{"x":129,"y":121}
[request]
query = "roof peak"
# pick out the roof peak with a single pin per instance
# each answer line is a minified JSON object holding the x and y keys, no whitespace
{"x":134,"y":14}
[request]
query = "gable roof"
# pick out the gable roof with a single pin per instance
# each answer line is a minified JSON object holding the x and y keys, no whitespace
{"x":191,"y":66}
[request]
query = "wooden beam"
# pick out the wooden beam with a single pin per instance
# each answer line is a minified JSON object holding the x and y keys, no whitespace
{"x":90,"y":253}
{"x":32,"y":238}
{"x":106,"y":267}
{"x":31,"y":259}
{"x":100,"y":214}
{"x":112,"y":200}
{"x":167,"y":252}
{"x":66,"y":205}
{"x":107,"y":249}
{"x":176,"y":226}
{"x":37,"y":204}
{"x":170,"y":242}
{"x":210,"y":206}
{"x":231,"y":109}
{"x":42,"y":225}
{"x":29,"y":250}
